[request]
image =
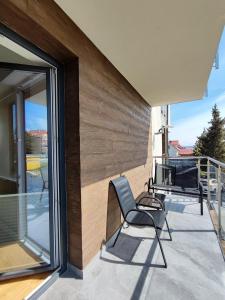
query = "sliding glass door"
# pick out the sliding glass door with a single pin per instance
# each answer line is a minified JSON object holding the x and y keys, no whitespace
{"x":29,"y":195}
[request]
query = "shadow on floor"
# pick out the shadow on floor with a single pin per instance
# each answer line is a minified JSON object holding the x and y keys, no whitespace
{"x":180,"y":207}
{"x":125,"y":247}
{"x":176,"y":207}
{"x":125,"y":250}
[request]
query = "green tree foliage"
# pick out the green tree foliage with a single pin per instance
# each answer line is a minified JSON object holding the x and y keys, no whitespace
{"x":212,"y":140}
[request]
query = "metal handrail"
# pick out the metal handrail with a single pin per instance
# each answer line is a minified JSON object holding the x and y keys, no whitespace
{"x":216,"y":162}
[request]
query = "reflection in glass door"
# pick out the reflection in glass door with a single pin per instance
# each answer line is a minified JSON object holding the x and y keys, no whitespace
{"x":26,"y":223}
{"x":36,"y":148}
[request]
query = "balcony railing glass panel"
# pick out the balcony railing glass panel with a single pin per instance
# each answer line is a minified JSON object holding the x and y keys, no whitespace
{"x":212,"y":177}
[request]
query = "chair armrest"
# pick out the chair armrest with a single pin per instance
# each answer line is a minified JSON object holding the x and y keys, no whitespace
{"x":153,"y":198}
{"x":149,"y":183}
{"x":143,"y":212}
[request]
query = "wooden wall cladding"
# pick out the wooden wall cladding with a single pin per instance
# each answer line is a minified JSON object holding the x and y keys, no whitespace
{"x":108,"y":130}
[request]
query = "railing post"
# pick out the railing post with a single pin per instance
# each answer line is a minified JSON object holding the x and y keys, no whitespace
{"x":218,"y":195}
{"x":199,"y":170}
{"x":208,"y":182}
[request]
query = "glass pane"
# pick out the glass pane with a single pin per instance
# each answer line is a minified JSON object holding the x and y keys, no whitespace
{"x":36,"y":141}
{"x":213,"y":185}
{"x":24,"y":195}
{"x":223,"y":201}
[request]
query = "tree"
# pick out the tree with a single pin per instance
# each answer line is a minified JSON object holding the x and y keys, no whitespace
{"x":212,"y":140}
{"x":199,"y":145}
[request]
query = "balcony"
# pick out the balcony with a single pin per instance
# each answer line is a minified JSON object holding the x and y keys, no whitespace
{"x":133,"y":269}
{"x":97,"y":86}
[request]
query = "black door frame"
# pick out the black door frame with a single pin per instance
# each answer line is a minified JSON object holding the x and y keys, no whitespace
{"x":60,"y":103}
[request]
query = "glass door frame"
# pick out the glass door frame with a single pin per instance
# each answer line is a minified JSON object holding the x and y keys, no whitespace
{"x":55,"y":108}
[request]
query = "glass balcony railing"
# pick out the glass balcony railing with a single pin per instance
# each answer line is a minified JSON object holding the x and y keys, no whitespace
{"x":212,"y":176}
{"x":24,"y":232}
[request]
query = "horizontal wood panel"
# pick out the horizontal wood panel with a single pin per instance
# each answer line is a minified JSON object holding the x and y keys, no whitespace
{"x":109,"y":96}
{"x":93,"y":131}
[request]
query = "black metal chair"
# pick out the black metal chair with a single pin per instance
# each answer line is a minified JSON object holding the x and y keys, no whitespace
{"x":134,"y":215}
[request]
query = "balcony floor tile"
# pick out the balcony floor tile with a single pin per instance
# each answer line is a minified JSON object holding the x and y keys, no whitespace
{"x":133,"y":268}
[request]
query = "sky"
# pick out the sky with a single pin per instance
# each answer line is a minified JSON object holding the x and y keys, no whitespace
{"x":35,"y":116}
{"x":190,"y":118}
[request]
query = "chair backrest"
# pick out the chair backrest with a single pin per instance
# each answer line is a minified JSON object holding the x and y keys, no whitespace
{"x":182,"y":164}
{"x":187,"y":172}
{"x":124,"y":194}
{"x":187,"y":178}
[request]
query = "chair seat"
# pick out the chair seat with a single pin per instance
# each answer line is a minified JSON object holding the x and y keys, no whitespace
{"x":141,"y":219}
{"x":147,"y":199}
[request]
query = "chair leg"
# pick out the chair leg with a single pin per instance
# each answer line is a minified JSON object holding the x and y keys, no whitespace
{"x":168,"y":230}
{"x":161,"y":248}
{"x":201,"y":205}
{"x":117,"y":235}
{"x":43,"y":188}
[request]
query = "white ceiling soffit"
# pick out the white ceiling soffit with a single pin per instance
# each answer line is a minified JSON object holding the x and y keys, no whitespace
{"x":15,"y":78}
{"x":39,"y":98}
{"x":164,"y":48}
{"x":11,"y":52}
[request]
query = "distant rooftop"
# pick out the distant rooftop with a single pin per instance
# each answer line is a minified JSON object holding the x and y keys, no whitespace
{"x":182,"y":151}
{"x":38,"y":132}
